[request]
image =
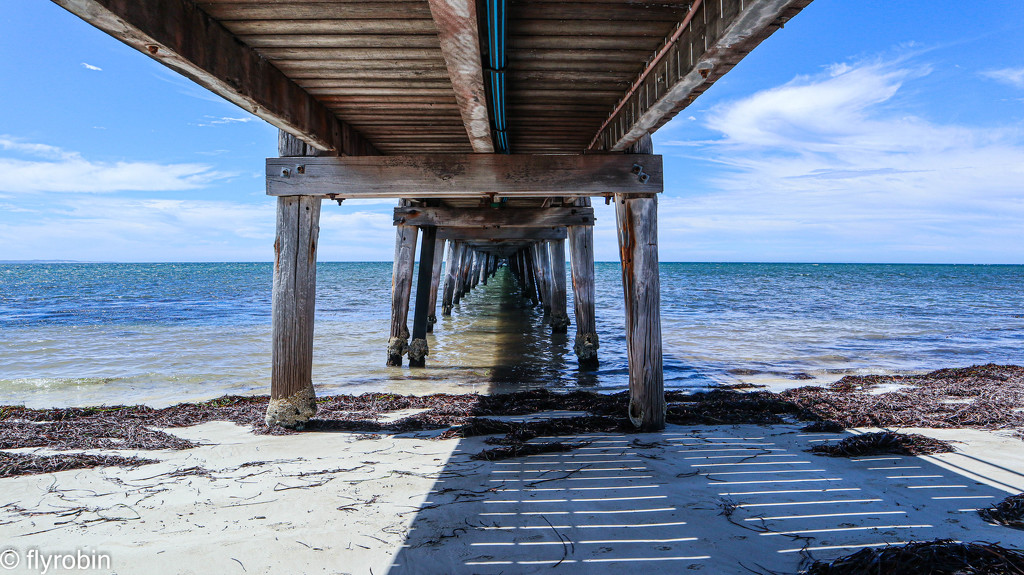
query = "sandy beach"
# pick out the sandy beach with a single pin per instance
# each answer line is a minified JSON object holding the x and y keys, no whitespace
{"x":729,"y":498}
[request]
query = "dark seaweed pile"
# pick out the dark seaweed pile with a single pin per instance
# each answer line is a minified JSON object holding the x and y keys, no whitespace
{"x":939,"y":557}
{"x":1009,"y":512}
{"x":984,"y":397}
{"x":881,"y":443}
{"x":12,"y":464}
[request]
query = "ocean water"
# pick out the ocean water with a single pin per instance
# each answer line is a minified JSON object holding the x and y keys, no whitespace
{"x":78,"y":334}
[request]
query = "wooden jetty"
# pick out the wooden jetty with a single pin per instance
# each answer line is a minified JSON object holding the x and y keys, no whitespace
{"x":493,"y":122}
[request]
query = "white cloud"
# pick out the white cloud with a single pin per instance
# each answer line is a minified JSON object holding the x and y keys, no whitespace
{"x":52,"y":169}
{"x":104,"y":229}
{"x":214,"y":121}
{"x":1012,"y":76}
{"x":829,"y":168}
{"x":91,"y":67}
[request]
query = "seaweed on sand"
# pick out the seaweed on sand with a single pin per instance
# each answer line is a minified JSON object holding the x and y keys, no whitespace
{"x":12,"y":464}
{"x":938,"y":557}
{"x":1009,"y":512}
{"x":981,"y":397}
{"x":882,"y":442}
{"x":524,"y":449}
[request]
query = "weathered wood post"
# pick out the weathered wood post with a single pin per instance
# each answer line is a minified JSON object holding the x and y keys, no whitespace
{"x":581,"y":248}
{"x":544,"y":272}
{"x":401,"y":290}
{"x":418,"y":350}
{"x":637,"y":219}
{"x":531,"y":276}
{"x":451,"y":276}
{"x":485,"y":269}
{"x":474,"y":272}
{"x":435,"y":281}
{"x":559,"y":316}
{"x":292,"y":399}
{"x":460,"y":285}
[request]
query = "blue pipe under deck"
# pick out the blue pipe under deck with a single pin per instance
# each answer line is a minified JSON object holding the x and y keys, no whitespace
{"x":496,"y":21}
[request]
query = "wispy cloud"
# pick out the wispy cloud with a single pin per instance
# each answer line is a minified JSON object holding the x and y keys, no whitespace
{"x":1012,"y":76}
{"x":107,"y":228}
{"x":32,"y":167}
{"x":91,"y":67}
{"x":215,"y":121}
{"x":831,"y":167}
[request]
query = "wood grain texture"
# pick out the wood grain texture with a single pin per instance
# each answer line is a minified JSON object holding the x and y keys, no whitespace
{"x":503,"y":234}
{"x":721,"y":34}
{"x":435,"y":282}
{"x":465,"y":175}
{"x":183,"y":37}
{"x":494,"y":218}
{"x":559,"y":315}
{"x":418,"y":349}
{"x":401,"y":290}
{"x":581,"y":250}
{"x":294,"y":296}
{"x":451,"y":277}
{"x":458,"y":31}
{"x":637,"y":220}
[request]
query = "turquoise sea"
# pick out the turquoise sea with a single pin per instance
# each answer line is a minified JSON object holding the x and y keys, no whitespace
{"x":73,"y":334}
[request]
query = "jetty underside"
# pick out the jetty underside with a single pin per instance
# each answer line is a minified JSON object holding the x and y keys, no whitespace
{"x":493,"y":124}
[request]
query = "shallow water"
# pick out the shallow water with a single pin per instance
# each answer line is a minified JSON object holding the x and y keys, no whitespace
{"x":77,"y":334}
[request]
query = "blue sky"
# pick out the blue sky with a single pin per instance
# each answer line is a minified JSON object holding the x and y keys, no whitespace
{"x":862,"y":132}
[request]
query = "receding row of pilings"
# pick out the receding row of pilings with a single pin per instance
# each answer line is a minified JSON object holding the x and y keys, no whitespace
{"x":538,"y":265}
{"x":467,"y":268}
{"x":539,"y":271}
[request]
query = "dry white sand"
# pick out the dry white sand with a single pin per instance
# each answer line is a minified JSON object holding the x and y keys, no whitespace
{"x":711,"y":499}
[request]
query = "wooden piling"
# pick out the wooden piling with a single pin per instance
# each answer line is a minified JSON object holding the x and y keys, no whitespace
{"x":581,"y":249}
{"x":418,"y":350}
{"x":292,"y":399}
{"x":451,"y":276}
{"x":559,"y":315}
{"x":435,"y":281}
{"x":401,"y":289}
{"x":637,"y":219}
{"x":530,"y":274}
{"x":544,"y":276}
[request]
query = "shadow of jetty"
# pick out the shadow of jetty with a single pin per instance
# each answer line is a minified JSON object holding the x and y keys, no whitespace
{"x":725,"y":499}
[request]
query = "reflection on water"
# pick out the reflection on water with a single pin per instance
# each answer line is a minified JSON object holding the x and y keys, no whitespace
{"x":162,"y":333}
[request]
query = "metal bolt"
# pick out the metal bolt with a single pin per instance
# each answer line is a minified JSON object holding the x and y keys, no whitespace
{"x":300,"y":169}
{"x":643,"y":177}
{"x":638,"y":169}
{"x":285,"y":172}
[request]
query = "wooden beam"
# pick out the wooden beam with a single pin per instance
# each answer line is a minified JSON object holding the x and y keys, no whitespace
{"x":183,"y":37}
{"x":454,"y":176}
{"x":502,"y":234}
{"x":494,"y":218}
{"x":719,"y":34}
{"x":458,"y":31}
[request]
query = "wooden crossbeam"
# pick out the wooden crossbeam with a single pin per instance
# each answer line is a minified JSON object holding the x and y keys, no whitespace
{"x":502,"y":234}
{"x":180,"y":35}
{"x":453,"y":176}
{"x":493,"y":220}
{"x":458,"y":31}
{"x":708,"y":44}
